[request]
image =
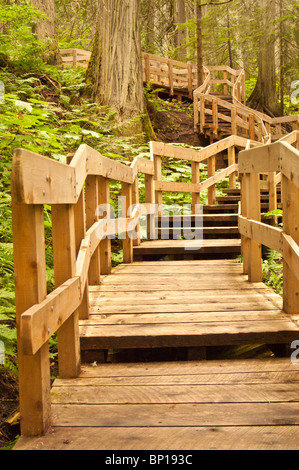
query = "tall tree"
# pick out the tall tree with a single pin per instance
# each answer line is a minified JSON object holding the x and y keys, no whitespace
{"x":115,"y":68}
{"x":46,"y":31}
{"x":179,"y":16}
{"x":264,"y":96}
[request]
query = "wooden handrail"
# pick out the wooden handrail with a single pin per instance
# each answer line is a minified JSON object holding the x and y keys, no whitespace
{"x":81,"y":249}
{"x":278,"y":158}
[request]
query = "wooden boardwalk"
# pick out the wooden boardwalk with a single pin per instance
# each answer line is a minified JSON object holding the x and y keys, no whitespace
{"x":208,"y":405}
{"x":183,"y":304}
{"x":188,"y":307}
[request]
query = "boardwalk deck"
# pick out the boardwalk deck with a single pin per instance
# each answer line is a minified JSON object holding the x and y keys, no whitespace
{"x":244,"y":404}
{"x":183,"y":304}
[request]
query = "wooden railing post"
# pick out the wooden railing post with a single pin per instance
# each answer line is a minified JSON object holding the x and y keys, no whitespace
{"x":244,"y":177}
{"x":290,"y":227}
{"x":202,"y":113}
{"x":135,"y":198}
{"x":80,"y":231}
{"x":211,"y":172}
{"x":195,"y":169}
{"x":215,"y":116}
{"x":232,"y":161}
{"x":105,"y":244}
{"x":158,"y":177}
{"x":150,"y":199}
{"x":225,"y":86}
{"x":190,"y":80}
{"x":254,"y":213}
{"x":251,"y":127}
{"x":92,"y":202}
{"x":64,"y":254}
{"x":170,"y":76}
{"x":234,"y":120}
{"x":127,"y":240}
{"x":31,"y":288}
{"x":196,"y":111}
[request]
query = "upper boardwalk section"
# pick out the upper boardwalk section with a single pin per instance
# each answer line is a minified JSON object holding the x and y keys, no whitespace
{"x":220,"y":108}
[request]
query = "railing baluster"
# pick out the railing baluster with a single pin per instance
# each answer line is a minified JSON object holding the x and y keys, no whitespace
{"x":105,"y":245}
{"x":92,"y":202}
{"x":64,"y":254}
{"x":290,"y":227}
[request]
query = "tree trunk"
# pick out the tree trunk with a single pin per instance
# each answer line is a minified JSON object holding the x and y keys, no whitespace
{"x":199,"y":45}
{"x":180,"y":34}
{"x":264,"y":96}
{"x":46,"y":30}
{"x":115,"y":68}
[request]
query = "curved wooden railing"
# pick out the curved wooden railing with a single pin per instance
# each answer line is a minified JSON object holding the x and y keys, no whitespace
{"x":280,"y":158}
{"x":81,"y":236}
{"x":243,"y":121}
{"x":81,"y":251}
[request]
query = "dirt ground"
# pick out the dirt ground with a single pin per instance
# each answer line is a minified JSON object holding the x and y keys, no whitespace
{"x":9,"y":404}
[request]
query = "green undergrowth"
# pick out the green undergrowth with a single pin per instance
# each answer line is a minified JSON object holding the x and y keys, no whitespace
{"x":45,"y":112}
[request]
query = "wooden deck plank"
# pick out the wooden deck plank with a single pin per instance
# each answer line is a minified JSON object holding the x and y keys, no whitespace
{"x":212,"y":405}
{"x":164,"y":438}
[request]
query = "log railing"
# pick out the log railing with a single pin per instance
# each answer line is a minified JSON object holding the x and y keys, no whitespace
{"x":81,"y":252}
{"x":280,"y":158}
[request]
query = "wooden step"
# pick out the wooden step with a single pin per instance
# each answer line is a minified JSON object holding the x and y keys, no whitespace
{"x":177,"y":304}
{"x":189,"y":247}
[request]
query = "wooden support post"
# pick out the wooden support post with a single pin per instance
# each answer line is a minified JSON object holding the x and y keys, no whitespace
{"x":272,"y":192}
{"x":196,"y":111}
{"x":170,"y":76}
{"x":195,"y":169}
{"x":147,"y":68}
{"x":150,"y":199}
{"x":158,"y":177}
{"x":75,"y":55}
{"x":31,"y":288}
{"x":232,"y":161}
{"x":135,"y":198}
{"x":251,"y":127}
{"x":190,"y":84}
{"x":290,"y":227}
{"x":80,"y":230}
{"x":211,"y":172}
{"x":127,"y":241}
{"x":202,"y":113}
{"x":254,"y":213}
{"x":244,"y":177}
{"x":225,"y":86}
{"x":105,"y":245}
{"x":64,"y":254}
{"x":92,"y":202}
{"x":234,"y":120}
{"x":215,"y":116}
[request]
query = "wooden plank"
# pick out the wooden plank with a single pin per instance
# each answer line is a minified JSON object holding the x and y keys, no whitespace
{"x":30,"y":269}
{"x":255,"y":414}
{"x":175,"y":394}
{"x":173,"y":438}
{"x":191,"y":317}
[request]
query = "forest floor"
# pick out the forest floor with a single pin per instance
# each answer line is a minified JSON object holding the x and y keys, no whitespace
{"x":174,"y":122}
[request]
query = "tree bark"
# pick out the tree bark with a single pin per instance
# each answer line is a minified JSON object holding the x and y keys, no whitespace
{"x":180,"y":34}
{"x":115,"y":68}
{"x":264,"y":96}
{"x":199,"y":44}
{"x":46,"y":30}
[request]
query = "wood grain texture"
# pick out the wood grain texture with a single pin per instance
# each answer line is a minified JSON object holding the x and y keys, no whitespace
{"x":211,"y":405}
